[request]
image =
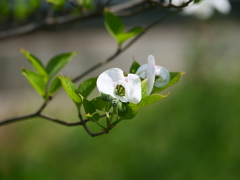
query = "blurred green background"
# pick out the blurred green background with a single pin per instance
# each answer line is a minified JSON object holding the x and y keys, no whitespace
{"x":193,"y":134}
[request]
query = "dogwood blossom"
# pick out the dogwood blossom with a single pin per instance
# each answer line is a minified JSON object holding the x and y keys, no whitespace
{"x":205,"y":8}
{"x":156,"y":75}
{"x":126,"y":89}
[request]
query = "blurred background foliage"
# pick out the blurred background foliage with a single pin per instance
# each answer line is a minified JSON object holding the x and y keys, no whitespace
{"x":191,"y":135}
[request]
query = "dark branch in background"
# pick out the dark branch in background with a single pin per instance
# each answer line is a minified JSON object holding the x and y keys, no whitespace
{"x":50,"y":22}
{"x":82,"y":122}
{"x":124,"y":9}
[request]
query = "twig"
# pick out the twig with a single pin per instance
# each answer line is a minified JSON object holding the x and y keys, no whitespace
{"x":112,"y":57}
{"x":61,"y":122}
{"x":50,"y":21}
{"x":120,"y":50}
{"x":17,"y":119}
{"x":91,"y":133}
{"x":87,"y":129}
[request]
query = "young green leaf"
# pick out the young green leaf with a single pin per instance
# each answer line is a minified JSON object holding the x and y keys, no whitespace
{"x":94,"y":117}
{"x":33,"y":5}
{"x":88,"y":106}
{"x":87,"y":87}
{"x":134,"y":67}
{"x":57,"y":2}
{"x":101,"y":104}
{"x":57,"y":63}
{"x":113,"y":24}
{"x":144,"y":88}
{"x":174,"y":78}
{"x":150,"y":99}
{"x":70,"y":89}
{"x":36,"y":63}
{"x":55,"y":86}
{"x":127,"y":110}
{"x":122,"y":37}
{"x":116,"y":28}
{"x":36,"y":80}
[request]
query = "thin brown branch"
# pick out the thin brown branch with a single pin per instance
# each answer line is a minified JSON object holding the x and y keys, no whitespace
{"x":112,"y":57}
{"x":120,"y":50}
{"x":87,"y":129}
{"x":17,"y":119}
{"x":42,"y":107}
{"x":91,"y":133}
{"x":53,"y":119}
{"x":47,"y":117}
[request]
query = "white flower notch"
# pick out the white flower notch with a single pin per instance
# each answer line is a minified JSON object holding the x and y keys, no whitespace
{"x":126,"y":89}
{"x":156,"y":75}
{"x":205,"y":8}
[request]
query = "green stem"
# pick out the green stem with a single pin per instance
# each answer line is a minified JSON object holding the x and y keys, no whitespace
{"x":113,"y":113}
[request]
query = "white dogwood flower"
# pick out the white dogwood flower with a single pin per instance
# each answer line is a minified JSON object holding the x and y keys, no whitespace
{"x":126,"y":89}
{"x":205,"y":8}
{"x":156,"y":75}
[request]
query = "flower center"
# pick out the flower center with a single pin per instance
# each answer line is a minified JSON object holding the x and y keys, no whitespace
{"x":120,"y":90}
{"x":157,"y":77}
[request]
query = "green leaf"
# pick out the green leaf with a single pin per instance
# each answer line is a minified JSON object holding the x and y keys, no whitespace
{"x":196,"y":1}
{"x":20,"y":10}
{"x":122,"y":37}
{"x":71,"y":90}
{"x":113,"y":24}
{"x":101,"y":104}
{"x":127,"y":110}
{"x":87,"y":87}
{"x":88,"y":106}
{"x":116,"y":28}
{"x":5,"y":10}
{"x":57,"y":2}
{"x":134,"y":67}
{"x":34,"y":4}
{"x":87,"y":4}
{"x":36,"y":80}
{"x":144,"y":88}
{"x":174,"y":78}
{"x":57,"y":63}
{"x":36,"y":63}
{"x":150,"y":99}
{"x":93,"y":117}
{"x":55,"y":86}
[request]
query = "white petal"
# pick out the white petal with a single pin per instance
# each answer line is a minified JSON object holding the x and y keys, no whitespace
{"x":150,"y":78}
{"x":222,"y":6}
{"x":142,"y":71}
{"x":136,"y":88}
{"x":177,"y":2}
{"x":106,"y":82}
{"x":151,"y":61}
{"x":205,"y":8}
{"x":164,"y":76}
